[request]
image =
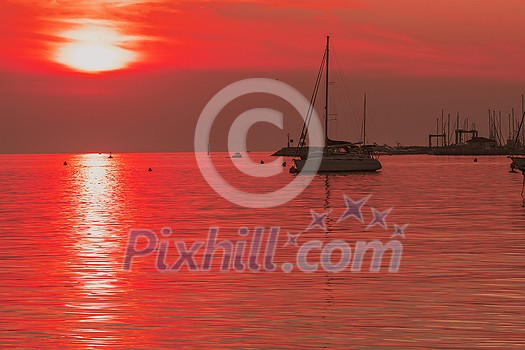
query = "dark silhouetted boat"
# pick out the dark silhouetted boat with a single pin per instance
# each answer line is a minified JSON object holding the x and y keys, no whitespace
{"x":336,"y":156}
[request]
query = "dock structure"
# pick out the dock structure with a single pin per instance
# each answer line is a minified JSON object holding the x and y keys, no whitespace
{"x":460,"y":135}
{"x":439,"y":135}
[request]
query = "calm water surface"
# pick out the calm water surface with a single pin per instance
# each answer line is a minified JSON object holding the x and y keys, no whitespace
{"x":63,"y":234}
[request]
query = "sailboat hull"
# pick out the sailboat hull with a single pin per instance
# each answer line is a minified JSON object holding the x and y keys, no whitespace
{"x":343,"y":164}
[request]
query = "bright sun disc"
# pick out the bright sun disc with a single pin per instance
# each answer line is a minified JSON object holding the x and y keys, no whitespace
{"x":94,"y":49}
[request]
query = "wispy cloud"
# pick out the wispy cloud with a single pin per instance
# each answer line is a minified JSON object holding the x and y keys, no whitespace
{"x":401,"y":37}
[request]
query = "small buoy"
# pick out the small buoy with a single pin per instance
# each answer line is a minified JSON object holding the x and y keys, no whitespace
{"x":262,"y":161}
{"x":149,"y":169}
{"x":475,"y":160}
{"x":293,"y":170}
{"x":284,"y":164}
{"x":65,"y":163}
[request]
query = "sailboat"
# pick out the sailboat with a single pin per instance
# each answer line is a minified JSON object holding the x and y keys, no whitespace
{"x":337,"y":156}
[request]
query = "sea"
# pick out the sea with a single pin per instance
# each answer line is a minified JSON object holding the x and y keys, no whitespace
{"x":102,"y":253}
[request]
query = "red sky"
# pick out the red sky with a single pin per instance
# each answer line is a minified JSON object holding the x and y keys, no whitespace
{"x":412,"y":57}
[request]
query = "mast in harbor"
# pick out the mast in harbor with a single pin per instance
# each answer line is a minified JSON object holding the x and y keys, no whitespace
{"x":326,"y":91}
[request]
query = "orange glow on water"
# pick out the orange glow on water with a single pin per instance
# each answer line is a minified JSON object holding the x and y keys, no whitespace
{"x":93,"y":48}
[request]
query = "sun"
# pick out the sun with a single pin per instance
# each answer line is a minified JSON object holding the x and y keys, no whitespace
{"x":94,"y":49}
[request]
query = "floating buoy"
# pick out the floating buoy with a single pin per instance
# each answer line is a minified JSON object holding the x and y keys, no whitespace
{"x":475,"y":160}
{"x":65,"y":163}
{"x":149,"y":169}
{"x":293,"y":170}
{"x":284,"y":164}
{"x":262,"y":161}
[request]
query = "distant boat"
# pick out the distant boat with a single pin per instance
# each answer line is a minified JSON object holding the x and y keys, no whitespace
{"x":65,"y":163}
{"x":236,"y":155}
{"x":337,"y":156}
{"x":110,"y":155}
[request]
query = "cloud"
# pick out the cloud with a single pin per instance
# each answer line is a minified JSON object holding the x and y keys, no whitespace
{"x":394,"y":37}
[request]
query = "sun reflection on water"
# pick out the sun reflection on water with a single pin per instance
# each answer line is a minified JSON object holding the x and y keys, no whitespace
{"x":95,"y":268}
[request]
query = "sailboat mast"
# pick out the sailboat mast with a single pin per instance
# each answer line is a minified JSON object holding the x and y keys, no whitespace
{"x":364,"y":121}
{"x":522,"y":114}
{"x":326,"y":89}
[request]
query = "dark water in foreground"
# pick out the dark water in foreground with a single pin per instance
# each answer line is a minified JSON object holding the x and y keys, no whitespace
{"x":63,"y":233}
